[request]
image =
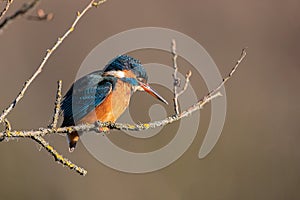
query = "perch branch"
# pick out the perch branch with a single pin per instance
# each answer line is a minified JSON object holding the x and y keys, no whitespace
{"x":118,"y":126}
{"x":136,"y":127}
{"x":47,"y":56}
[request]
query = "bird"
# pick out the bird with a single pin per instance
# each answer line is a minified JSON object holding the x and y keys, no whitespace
{"x":103,"y":95}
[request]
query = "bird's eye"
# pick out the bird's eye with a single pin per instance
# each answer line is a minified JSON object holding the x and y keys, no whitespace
{"x":141,"y":80}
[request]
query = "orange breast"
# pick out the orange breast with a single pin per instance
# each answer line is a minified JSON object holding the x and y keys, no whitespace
{"x":113,"y":105}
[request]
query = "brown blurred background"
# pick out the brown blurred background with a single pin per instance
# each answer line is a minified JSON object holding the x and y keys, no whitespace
{"x":257,"y":155}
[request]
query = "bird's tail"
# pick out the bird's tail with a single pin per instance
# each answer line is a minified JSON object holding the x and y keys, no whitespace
{"x":72,"y":140}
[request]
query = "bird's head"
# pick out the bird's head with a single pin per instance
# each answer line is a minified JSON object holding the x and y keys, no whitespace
{"x":131,"y":70}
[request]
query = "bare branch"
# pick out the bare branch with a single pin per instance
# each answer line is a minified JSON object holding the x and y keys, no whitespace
{"x":186,"y":84}
{"x":21,"y":11}
{"x":176,"y":83}
{"x":53,"y":124}
{"x":47,"y":56}
{"x":8,"y":3}
{"x":58,"y":157}
{"x":242,"y":56}
{"x":7,"y":126}
{"x":6,"y":130}
{"x":118,"y":126}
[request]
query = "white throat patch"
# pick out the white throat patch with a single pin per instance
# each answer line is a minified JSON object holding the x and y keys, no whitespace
{"x":118,"y":74}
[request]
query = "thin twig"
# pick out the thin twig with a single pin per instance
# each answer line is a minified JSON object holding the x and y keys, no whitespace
{"x":177,"y":80}
{"x":8,"y":3}
{"x":47,"y":56}
{"x":53,"y":124}
{"x":242,"y":56}
{"x":7,"y":126}
{"x":21,"y":11}
{"x":176,"y":83}
{"x":58,"y":157}
{"x":186,"y":84}
{"x":7,"y":129}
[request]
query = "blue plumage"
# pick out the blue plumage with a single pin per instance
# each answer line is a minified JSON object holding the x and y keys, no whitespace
{"x":122,"y":76}
{"x":91,"y":90}
{"x":125,"y":62}
{"x":84,"y":95}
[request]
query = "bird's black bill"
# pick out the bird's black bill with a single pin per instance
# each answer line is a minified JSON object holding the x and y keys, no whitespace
{"x":152,"y":92}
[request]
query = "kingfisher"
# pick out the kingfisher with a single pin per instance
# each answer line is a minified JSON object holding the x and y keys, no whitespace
{"x":104,"y":94}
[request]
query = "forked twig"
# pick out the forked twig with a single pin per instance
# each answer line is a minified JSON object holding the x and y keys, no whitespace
{"x":177,"y":80}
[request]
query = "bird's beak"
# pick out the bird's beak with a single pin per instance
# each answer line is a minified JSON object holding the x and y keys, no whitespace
{"x":152,"y":92}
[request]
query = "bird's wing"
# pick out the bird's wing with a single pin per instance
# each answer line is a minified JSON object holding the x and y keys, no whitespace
{"x":85,"y":94}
